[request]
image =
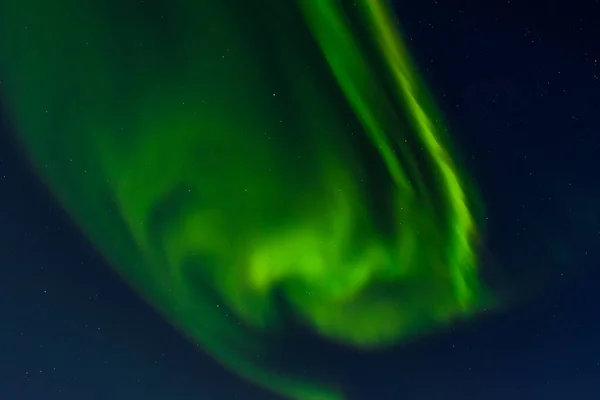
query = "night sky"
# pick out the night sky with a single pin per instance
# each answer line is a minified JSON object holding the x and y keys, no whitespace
{"x":520,"y":86}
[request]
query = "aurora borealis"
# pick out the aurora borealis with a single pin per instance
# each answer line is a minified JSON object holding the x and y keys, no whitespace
{"x":226,"y":158}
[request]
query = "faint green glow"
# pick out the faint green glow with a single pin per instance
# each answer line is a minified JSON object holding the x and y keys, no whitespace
{"x":216,"y":152}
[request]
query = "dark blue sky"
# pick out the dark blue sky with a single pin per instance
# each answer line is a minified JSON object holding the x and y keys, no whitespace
{"x":520,"y":84}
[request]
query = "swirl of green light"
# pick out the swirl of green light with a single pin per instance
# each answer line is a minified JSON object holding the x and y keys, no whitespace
{"x":220,"y":152}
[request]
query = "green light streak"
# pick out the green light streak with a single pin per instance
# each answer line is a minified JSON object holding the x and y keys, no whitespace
{"x":207,"y":150}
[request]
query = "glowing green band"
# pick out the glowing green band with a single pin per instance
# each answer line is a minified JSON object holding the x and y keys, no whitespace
{"x":223,"y":155}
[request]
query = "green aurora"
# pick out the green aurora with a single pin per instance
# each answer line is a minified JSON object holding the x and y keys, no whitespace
{"x":232,"y":161}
